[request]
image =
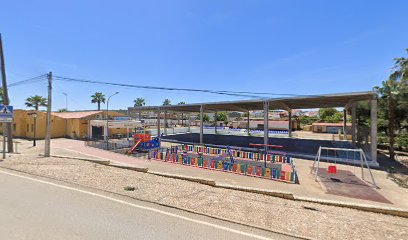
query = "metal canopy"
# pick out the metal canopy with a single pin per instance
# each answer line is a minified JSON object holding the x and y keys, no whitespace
{"x":301,"y":102}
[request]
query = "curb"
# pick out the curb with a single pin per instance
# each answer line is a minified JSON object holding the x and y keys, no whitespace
{"x":286,"y":195}
{"x":104,"y":162}
{"x":137,"y":169}
{"x":209,"y":182}
{"x":362,"y":207}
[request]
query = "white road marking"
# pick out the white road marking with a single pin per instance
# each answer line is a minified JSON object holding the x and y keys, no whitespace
{"x":141,"y":207}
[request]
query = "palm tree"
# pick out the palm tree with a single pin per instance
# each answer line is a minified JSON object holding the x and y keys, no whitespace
{"x":138,"y":103}
{"x":36,"y":102}
{"x":182,"y":115}
{"x":166,"y":102}
{"x":98,"y":98}
{"x":393,"y":90}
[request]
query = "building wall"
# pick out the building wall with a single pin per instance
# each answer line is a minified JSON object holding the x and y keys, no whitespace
{"x":23,"y":125}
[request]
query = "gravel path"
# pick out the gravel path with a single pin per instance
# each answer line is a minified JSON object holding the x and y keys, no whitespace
{"x":299,"y":218}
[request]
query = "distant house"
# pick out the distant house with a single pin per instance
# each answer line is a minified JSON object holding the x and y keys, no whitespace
{"x":259,"y":124}
{"x":330,"y":128}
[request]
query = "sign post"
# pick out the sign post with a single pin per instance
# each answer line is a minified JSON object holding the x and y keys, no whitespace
{"x":6,"y":116}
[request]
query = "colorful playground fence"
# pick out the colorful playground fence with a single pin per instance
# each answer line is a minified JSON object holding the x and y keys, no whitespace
{"x":256,"y":156}
{"x":278,"y":171}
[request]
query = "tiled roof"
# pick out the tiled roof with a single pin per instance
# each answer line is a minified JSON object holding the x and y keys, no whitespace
{"x":69,"y":115}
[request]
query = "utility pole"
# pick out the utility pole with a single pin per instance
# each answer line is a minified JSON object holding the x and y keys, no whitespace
{"x":48,"y":127}
{"x":9,"y":129}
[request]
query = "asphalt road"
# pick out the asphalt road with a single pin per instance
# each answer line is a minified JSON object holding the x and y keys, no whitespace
{"x":39,"y":209}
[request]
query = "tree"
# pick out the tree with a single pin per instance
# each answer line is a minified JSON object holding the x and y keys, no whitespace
{"x":221,"y":116}
{"x":182,"y":114}
{"x":206,"y":118}
{"x":166,"y":102}
{"x":98,"y":98}
{"x":36,"y":101}
{"x":393,"y":102}
{"x":138,"y":102}
{"x":62,"y":110}
{"x":330,"y":115}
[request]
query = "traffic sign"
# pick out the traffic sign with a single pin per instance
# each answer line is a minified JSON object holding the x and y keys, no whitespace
{"x":6,"y":113}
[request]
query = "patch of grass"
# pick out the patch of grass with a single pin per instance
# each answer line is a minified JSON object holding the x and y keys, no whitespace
{"x":129,"y":188}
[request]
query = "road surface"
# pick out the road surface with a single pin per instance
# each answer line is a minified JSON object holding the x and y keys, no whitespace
{"x":32,"y":208}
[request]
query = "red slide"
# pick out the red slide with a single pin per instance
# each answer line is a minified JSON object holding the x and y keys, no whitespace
{"x":135,"y":146}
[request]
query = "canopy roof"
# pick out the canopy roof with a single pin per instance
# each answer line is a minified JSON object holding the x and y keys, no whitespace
{"x":299,"y":102}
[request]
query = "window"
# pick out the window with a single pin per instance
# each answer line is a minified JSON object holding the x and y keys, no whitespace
{"x":32,"y":127}
{"x":14,"y":126}
{"x":28,"y":127}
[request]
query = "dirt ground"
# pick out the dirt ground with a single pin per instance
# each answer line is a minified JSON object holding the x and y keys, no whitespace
{"x":300,"y":218}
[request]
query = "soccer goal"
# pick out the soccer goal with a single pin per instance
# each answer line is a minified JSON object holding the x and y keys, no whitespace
{"x":349,"y":156}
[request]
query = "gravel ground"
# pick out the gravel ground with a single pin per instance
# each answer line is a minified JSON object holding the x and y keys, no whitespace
{"x":293,"y":217}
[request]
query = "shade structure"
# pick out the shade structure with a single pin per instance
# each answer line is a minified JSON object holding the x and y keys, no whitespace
{"x":298,"y":102}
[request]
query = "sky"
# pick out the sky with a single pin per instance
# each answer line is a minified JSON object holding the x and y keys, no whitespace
{"x":284,"y":47}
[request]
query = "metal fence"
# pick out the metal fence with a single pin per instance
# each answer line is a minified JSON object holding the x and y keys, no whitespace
{"x":115,"y":144}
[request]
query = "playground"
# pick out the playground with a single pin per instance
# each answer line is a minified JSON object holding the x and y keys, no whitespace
{"x":331,"y":169}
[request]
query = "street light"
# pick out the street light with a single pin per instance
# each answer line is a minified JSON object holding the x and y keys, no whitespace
{"x":34,"y":115}
{"x":107,"y":120}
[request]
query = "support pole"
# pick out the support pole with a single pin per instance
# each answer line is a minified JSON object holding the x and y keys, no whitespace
{"x":105,"y":132}
{"x":158,"y":122}
{"x":89,"y":129}
{"x":248,"y":124}
{"x":373,"y":129}
{"x":344,"y":124}
{"x":48,"y":119}
{"x":353,"y":124}
{"x":215,"y":120}
{"x":165,"y":122}
{"x":266,"y":128}
{"x":189,"y":122}
{"x":9,"y":129}
{"x":201,"y":124}
{"x":290,"y":123}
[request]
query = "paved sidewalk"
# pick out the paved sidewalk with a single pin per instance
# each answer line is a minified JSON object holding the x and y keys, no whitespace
{"x":308,"y":187}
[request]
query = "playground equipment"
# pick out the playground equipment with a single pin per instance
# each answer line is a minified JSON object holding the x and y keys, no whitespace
{"x":144,"y":142}
{"x":344,"y":153}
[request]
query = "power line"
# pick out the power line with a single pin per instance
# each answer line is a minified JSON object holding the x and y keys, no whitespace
{"x":230,"y":93}
{"x":29,"y":80}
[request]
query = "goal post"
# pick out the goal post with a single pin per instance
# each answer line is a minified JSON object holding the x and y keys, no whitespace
{"x":338,"y":156}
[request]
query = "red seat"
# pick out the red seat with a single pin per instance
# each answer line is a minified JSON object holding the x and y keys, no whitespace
{"x":332,"y":169}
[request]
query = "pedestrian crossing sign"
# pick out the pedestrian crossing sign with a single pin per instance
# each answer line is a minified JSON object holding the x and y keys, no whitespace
{"x":6,"y":113}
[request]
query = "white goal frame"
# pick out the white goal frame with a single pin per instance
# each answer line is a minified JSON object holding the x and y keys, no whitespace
{"x":363,"y":160}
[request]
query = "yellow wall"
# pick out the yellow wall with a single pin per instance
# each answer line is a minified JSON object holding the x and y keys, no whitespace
{"x":23,"y":125}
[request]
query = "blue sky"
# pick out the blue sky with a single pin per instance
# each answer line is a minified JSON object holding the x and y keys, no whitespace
{"x":298,"y":47}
